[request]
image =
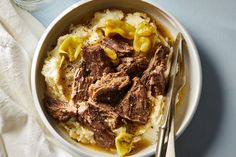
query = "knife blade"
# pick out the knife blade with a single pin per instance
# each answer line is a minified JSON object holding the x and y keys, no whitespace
{"x":163,"y":127}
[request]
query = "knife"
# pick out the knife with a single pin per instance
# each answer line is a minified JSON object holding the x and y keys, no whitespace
{"x":164,"y":127}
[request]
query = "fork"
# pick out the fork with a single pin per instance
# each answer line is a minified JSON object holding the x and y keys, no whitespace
{"x":176,"y":81}
{"x":164,"y":126}
{"x":180,"y":80}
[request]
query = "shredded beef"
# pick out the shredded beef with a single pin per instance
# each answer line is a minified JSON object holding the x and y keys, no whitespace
{"x":60,"y":110}
{"x":106,"y":112}
{"x":105,"y":138}
{"x":100,"y":118}
{"x":153,"y":77}
{"x":97,"y":62}
{"x":82,"y":81}
{"x":133,"y":66}
{"x":93,"y":65}
{"x":135,"y":106}
{"x":111,"y":87}
{"x":122,"y":48}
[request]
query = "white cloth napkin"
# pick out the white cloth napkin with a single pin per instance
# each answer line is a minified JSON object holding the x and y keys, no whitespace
{"x":21,"y":131}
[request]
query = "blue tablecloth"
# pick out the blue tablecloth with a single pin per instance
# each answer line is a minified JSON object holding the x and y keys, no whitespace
{"x":212,"y":24}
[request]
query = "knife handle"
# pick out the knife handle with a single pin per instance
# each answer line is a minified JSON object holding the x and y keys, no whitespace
{"x":160,"y":151}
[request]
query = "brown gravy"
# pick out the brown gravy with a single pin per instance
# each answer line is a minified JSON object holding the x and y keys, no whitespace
{"x":98,"y":148}
{"x":164,"y":32}
{"x":142,"y":144}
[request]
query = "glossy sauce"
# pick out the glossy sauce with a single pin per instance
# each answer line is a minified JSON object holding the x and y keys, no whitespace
{"x":98,"y":148}
{"x":142,"y":144}
{"x":183,"y":92}
{"x":164,"y":32}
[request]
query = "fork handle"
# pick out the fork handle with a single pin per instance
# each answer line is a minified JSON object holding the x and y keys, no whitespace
{"x":161,"y":135}
{"x":170,"y":150}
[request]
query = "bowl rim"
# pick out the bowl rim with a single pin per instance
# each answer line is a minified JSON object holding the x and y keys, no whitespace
{"x":195,"y":102}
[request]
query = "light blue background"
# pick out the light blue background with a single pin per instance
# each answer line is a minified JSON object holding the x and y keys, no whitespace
{"x":212,"y":24}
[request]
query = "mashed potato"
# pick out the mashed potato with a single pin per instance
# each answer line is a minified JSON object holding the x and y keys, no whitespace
{"x":100,"y":18}
{"x":51,"y":73}
{"x":136,"y":18}
{"x":78,"y":132}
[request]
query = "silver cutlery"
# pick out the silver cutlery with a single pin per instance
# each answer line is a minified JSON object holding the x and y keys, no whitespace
{"x":176,"y":81}
{"x":180,"y":80}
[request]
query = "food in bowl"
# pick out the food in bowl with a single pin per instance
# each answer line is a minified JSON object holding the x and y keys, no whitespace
{"x":106,"y":80}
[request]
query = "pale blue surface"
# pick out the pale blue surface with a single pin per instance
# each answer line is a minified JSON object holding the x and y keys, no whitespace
{"x":212,"y":24}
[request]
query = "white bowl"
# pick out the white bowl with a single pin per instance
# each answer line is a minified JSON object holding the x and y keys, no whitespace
{"x":84,"y":10}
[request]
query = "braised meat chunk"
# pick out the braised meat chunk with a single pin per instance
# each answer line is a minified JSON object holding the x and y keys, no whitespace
{"x":153,"y":77}
{"x":101,"y":119}
{"x":81,"y":83}
{"x":105,"y":138}
{"x":113,"y":120}
{"x":98,"y":63}
{"x":111,"y":87}
{"x":59,"y":110}
{"x":106,"y":112}
{"x":133,"y":66}
{"x":135,"y":106}
{"x":91,"y":68}
{"x":121,"y":48}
